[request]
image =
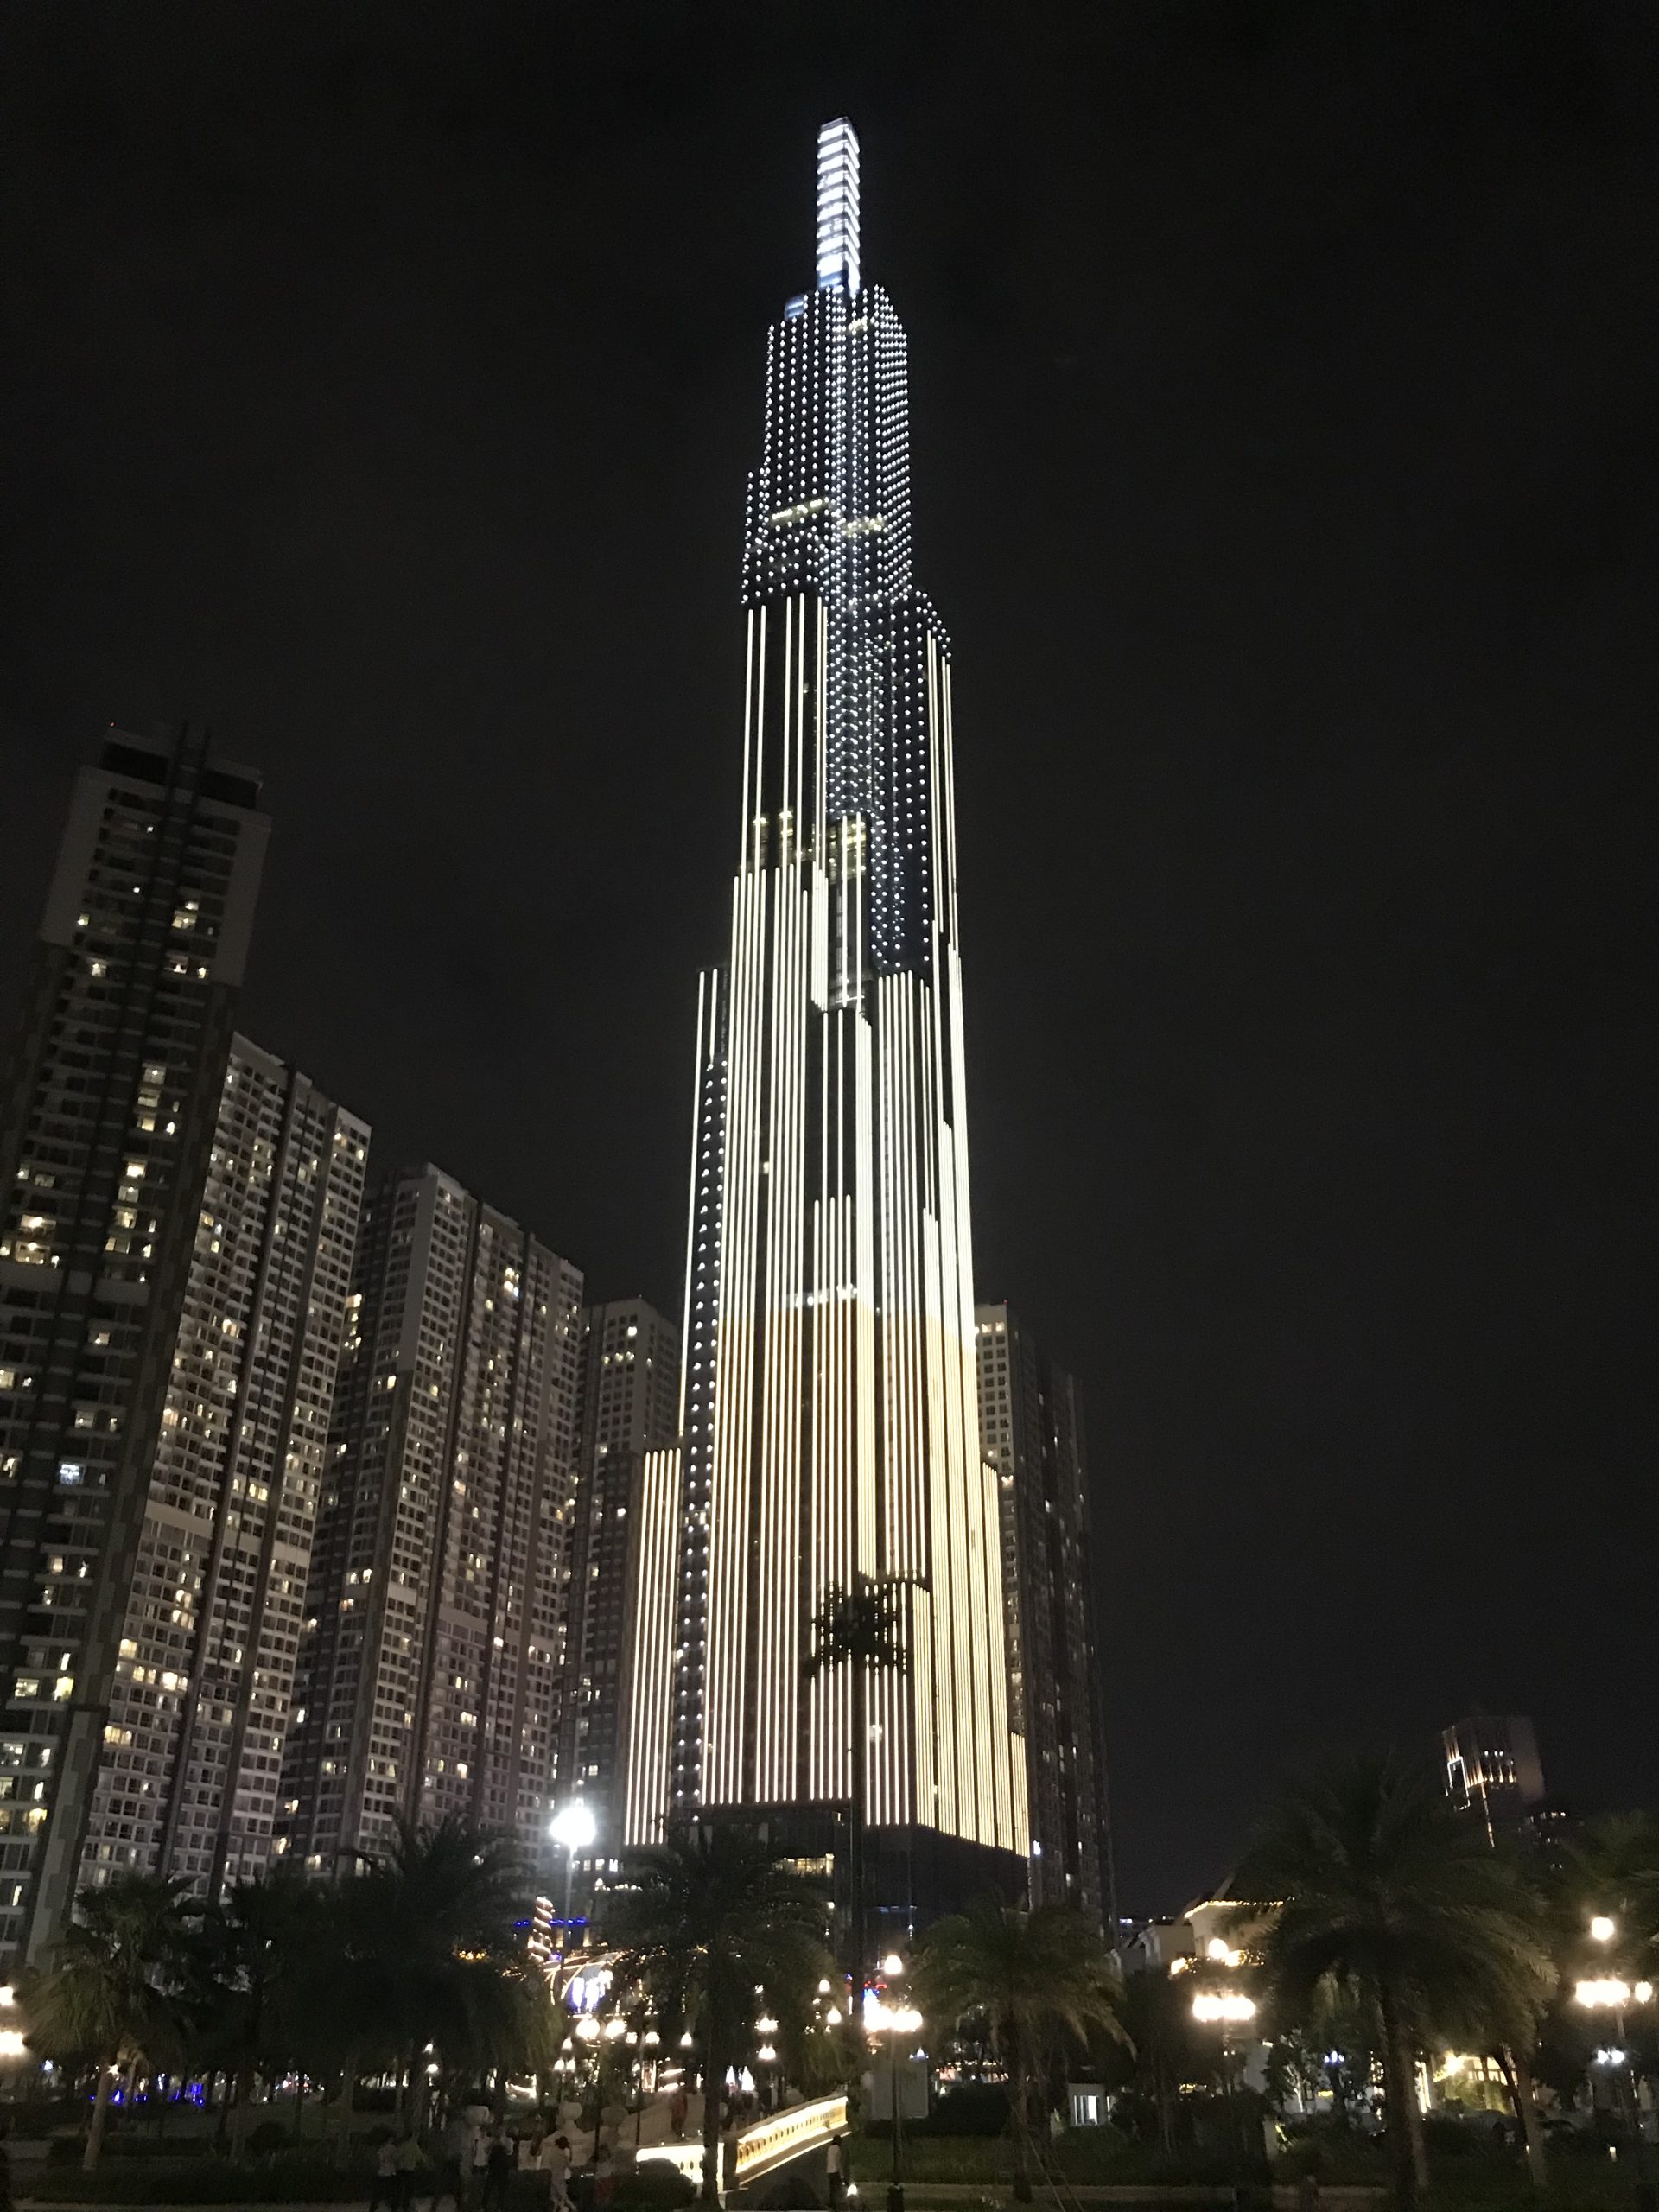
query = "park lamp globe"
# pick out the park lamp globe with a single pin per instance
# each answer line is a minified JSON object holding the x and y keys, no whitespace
{"x":574,"y":1825}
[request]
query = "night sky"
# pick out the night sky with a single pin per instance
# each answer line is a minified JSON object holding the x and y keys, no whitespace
{"x":378,"y":383}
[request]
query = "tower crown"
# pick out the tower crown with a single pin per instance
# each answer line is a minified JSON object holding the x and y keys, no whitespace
{"x":838,"y":206}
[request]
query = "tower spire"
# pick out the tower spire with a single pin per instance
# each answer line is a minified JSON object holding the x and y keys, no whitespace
{"x":837,"y":205}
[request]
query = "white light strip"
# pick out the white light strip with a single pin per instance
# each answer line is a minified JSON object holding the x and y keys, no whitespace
{"x":837,"y":206}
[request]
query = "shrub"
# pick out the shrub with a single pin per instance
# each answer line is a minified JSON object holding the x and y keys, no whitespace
{"x":656,"y":2186}
{"x":283,"y":2180}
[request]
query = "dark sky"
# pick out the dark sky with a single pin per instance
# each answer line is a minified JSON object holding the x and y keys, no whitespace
{"x":379,"y":384}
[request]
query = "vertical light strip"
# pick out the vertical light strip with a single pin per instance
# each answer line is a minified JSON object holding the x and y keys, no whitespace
{"x":650,"y":1718}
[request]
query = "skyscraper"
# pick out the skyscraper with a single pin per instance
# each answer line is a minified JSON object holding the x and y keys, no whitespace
{"x":630,"y":1407}
{"x":1493,"y":1770}
{"x":105,"y":1131}
{"x":1030,"y":1422}
{"x":434,"y":1641}
{"x":830,"y":1417}
{"x":198,"y":1706}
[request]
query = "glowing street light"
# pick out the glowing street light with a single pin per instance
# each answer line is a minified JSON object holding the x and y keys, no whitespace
{"x":1226,"y":2005}
{"x":573,"y":1828}
{"x":1607,"y":1993}
{"x":893,"y":1965}
{"x":1602,"y":1929}
{"x":1225,"y":2009}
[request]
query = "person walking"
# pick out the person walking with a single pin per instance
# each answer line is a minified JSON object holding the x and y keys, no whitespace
{"x":835,"y":2159}
{"x":385,"y":2177}
{"x":412,"y":2165}
{"x":497,"y":2170}
{"x":555,"y":2164}
{"x":678,"y":2106}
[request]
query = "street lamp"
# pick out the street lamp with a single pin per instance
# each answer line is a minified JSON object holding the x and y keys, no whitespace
{"x":1607,"y":1993}
{"x":895,"y":2021}
{"x":574,"y":1827}
{"x":1226,"y":2009}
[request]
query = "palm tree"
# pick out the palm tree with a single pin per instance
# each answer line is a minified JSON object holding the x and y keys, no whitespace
{"x":424,"y":1949}
{"x":1166,"y":2047}
{"x":712,"y":1917}
{"x":1035,"y":1978}
{"x":1382,"y":1891}
{"x":251,"y":1965}
{"x":860,"y":1628}
{"x":107,"y":1995}
{"x":1611,"y":1865}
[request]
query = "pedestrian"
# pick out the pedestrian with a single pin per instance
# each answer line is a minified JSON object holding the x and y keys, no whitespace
{"x":386,"y":2178}
{"x":411,"y":2167}
{"x":835,"y":2159}
{"x":555,"y":2164}
{"x":497,"y":2170}
{"x":478,"y":2163}
{"x":678,"y":2106}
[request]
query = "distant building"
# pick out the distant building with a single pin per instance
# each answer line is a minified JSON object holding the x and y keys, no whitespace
{"x":433,"y":1654}
{"x":1492,"y":1770}
{"x":630,"y":1406}
{"x":107,"y":1124}
{"x":1031,"y":1432}
{"x":198,"y":1706}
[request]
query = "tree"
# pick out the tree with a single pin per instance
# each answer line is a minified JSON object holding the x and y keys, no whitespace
{"x":423,"y":1948}
{"x":107,"y":1995}
{"x":1163,"y":2048}
{"x":712,"y":1917}
{"x":1382,"y":1891}
{"x":251,"y":1964}
{"x":860,"y":1628}
{"x":1035,"y":1978}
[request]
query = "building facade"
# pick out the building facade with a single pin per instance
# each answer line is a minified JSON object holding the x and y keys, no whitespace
{"x":630,"y":1408}
{"x":106,"y":1129}
{"x":1030,"y":1422}
{"x":1494,"y":1772}
{"x":433,"y":1648}
{"x":199,"y":1707}
{"x":830,"y":1418}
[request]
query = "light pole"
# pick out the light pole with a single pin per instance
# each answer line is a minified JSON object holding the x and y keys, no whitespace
{"x":573,"y":1828}
{"x":1226,"y":2009}
{"x":1607,"y":1993}
{"x":896,"y":2021}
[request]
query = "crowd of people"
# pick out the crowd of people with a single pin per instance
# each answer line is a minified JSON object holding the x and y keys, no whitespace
{"x":468,"y":2165}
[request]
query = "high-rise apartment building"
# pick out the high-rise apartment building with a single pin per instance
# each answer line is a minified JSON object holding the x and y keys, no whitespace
{"x":1493,"y":1770}
{"x":630,"y":1404}
{"x":198,"y":1706}
{"x":106,"y":1128}
{"x":433,"y":1649}
{"x":1031,"y":1424}
{"x":830,"y":1417}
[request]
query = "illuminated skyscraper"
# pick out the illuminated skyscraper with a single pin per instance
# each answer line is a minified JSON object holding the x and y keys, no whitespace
{"x":1493,"y":1770}
{"x":830,"y":1422}
{"x":1031,"y":1424}
{"x":431,"y":1657}
{"x":630,"y":1407}
{"x":198,"y":1706}
{"x":107,"y":1125}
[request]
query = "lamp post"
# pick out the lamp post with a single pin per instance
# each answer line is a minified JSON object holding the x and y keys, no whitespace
{"x":895,"y":2021}
{"x":1607,"y":1993}
{"x":1226,"y":2009}
{"x":573,"y":1828}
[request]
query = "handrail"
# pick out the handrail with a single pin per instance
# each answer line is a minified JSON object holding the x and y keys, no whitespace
{"x":771,"y":2142}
